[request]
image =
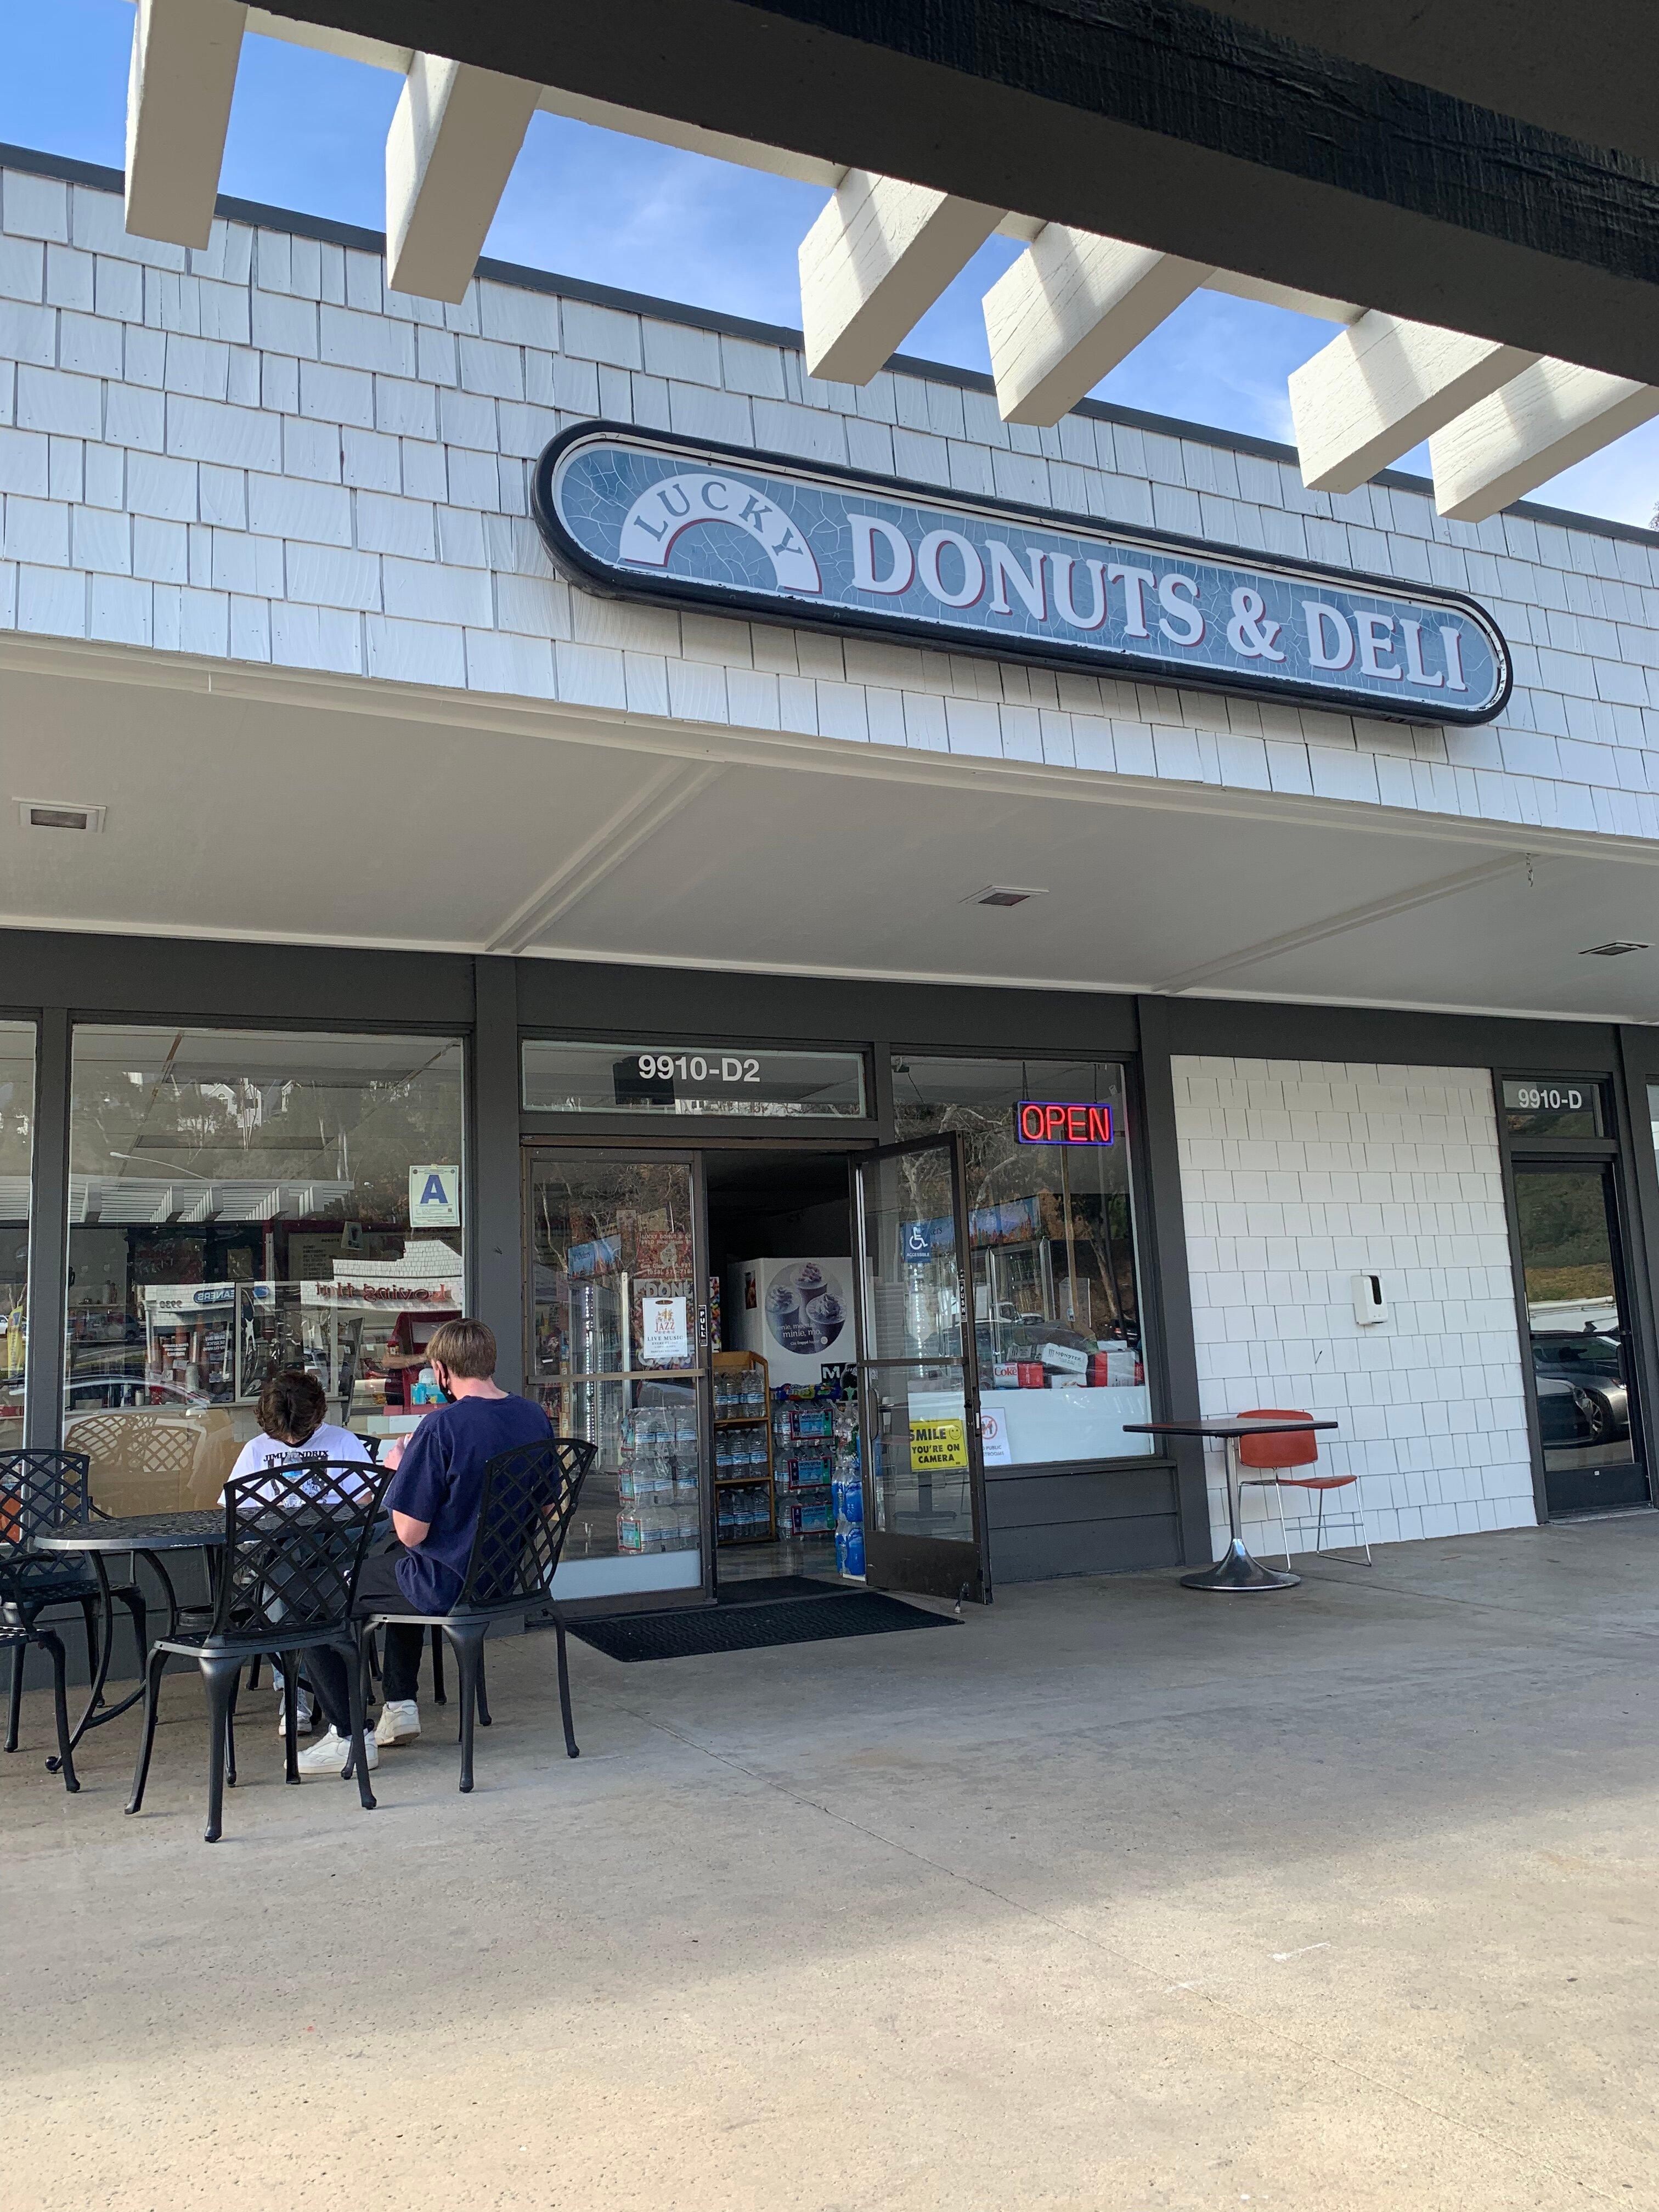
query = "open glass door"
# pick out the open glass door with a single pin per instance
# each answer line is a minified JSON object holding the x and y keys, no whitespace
{"x":918,"y":1386}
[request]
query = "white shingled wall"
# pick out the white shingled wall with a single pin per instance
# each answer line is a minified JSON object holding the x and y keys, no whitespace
{"x":1298,"y":1175}
{"x":256,"y":452}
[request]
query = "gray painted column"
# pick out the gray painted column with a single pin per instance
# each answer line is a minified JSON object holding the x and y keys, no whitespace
{"x":1166,"y":1240}
{"x":497,"y":1206}
{"x":48,"y":1275}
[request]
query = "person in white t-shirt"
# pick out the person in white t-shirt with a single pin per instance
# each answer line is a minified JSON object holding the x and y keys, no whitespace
{"x":292,"y":1429}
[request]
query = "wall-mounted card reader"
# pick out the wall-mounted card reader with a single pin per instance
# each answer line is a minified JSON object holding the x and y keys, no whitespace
{"x":1369,"y":1303}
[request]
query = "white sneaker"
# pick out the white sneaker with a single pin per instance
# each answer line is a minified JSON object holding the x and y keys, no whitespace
{"x":329,"y":1754}
{"x":399,"y":1722}
{"x":305,"y":1717}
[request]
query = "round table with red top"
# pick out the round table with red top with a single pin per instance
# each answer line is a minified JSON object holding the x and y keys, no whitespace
{"x":1236,"y":1569}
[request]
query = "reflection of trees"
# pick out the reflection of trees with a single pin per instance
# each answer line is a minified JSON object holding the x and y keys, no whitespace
{"x":1000,"y":1170}
{"x":16,"y":1103}
{"x":1566,"y":1249}
{"x":1563,"y":1220}
{"x":606,"y":1198}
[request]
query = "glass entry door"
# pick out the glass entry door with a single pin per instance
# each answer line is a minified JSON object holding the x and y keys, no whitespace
{"x":1577,"y":1316}
{"x":918,"y":1391}
{"x":619,"y":1355}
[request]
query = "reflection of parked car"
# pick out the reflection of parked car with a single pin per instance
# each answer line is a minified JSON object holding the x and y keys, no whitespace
{"x":90,"y":1392}
{"x":1581,"y":1393}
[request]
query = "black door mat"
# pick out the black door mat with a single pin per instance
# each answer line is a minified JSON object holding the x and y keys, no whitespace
{"x":690,"y":1635}
{"x":766,"y":1589}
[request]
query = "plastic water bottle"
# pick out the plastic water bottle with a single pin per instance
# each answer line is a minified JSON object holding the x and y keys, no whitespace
{"x":849,"y":1552}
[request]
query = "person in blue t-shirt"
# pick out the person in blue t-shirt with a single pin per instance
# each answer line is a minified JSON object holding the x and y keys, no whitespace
{"x":433,"y":1500}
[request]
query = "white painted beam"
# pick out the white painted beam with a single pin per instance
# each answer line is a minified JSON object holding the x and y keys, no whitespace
{"x":692,"y":138}
{"x":180,"y":89}
{"x":1069,"y":310}
{"x":873,"y":264}
{"x":1381,"y":386}
{"x":449,"y":153}
{"x":323,"y":39}
{"x":1549,"y":418}
{"x":1319,"y":305}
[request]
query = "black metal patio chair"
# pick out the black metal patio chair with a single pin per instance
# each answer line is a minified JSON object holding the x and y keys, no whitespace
{"x":40,"y":1490}
{"x":528,"y":1497}
{"x":439,"y":1697}
{"x":296,"y":1539}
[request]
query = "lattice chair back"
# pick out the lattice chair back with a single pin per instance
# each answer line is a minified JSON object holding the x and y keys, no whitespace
{"x":296,"y":1539}
{"x":528,"y":1498}
{"x":39,"y":1491}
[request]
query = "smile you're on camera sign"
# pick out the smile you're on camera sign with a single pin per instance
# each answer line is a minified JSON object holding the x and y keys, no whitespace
{"x":652,"y":515}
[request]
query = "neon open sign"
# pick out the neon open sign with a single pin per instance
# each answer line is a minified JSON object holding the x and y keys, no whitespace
{"x":1046,"y":1122}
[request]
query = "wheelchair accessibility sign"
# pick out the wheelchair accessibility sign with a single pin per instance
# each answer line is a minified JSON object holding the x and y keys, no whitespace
{"x":434,"y":1198}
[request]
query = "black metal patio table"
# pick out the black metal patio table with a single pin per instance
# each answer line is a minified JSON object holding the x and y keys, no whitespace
{"x":145,"y":1536}
{"x":1236,"y":1569}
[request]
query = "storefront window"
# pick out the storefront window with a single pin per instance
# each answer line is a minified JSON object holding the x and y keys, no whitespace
{"x":241,"y":1201}
{"x":16,"y":1158}
{"x":1057,"y":1316}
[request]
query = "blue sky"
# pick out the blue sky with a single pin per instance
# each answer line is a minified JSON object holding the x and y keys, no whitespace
{"x":308,"y":131}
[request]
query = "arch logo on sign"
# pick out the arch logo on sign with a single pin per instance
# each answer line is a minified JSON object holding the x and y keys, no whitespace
{"x":657,"y":516}
{"x":1047,"y":1122}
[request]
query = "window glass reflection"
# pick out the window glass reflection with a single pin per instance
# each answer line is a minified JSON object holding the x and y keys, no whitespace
{"x":1057,"y":1318}
{"x":16,"y":1161}
{"x":241,"y":1201}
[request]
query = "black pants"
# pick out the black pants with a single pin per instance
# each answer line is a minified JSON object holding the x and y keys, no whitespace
{"x":378,"y":1590}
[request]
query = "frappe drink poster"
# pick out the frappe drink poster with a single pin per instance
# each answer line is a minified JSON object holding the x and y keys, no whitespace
{"x":805,"y":1308}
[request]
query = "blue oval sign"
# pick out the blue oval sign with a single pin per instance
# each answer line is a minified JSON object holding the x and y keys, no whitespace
{"x":659,"y":516}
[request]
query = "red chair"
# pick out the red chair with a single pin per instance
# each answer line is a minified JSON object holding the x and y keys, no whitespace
{"x":1289,"y":1449}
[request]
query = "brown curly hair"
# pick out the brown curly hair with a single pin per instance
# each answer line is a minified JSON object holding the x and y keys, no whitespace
{"x":292,"y":1405}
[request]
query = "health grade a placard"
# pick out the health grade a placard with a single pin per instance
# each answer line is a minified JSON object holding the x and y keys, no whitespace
{"x":939,"y":1447}
{"x":434,"y":1198}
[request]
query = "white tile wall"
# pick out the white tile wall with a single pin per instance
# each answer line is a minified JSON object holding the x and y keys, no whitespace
{"x":271,"y":399}
{"x":1295,"y":1177}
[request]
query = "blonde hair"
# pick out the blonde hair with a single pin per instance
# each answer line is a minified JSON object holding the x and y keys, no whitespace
{"x":467,"y":1348}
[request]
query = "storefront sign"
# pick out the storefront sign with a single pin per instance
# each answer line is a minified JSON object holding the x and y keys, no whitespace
{"x":567,"y":1076}
{"x":666,"y":1332}
{"x":1045,"y":1122}
{"x":993,"y":1443}
{"x":939,"y":1447}
{"x":675,"y":519}
{"x":1550,"y":1106}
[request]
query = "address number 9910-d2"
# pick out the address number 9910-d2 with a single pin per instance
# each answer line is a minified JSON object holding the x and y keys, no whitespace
{"x":697,"y":1067}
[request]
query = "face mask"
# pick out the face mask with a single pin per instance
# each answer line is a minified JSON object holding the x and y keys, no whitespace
{"x":449,"y":1395}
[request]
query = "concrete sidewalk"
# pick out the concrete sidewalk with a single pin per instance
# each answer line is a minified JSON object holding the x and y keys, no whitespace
{"x":1116,"y":1896}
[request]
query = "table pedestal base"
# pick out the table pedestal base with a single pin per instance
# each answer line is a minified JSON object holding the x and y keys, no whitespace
{"x":1237,"y":1570}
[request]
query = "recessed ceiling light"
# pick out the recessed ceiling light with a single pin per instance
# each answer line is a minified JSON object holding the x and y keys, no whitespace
{"x":58,"y":814}
{"x":1612,"y":949}
{"x":1004,"y":894}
